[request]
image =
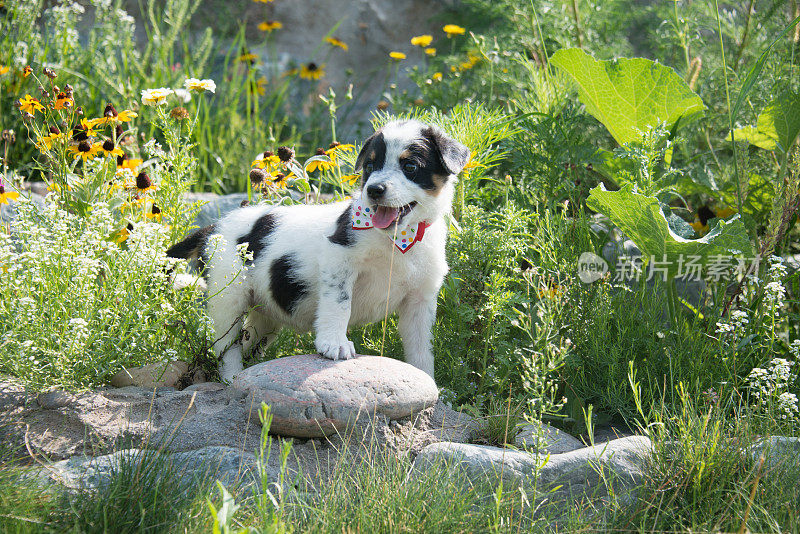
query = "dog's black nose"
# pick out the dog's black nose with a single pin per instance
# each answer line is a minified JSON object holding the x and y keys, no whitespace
{"x":376,"y":191}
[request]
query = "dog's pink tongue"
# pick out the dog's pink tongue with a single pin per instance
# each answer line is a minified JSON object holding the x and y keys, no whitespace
{"x":384,"y":216}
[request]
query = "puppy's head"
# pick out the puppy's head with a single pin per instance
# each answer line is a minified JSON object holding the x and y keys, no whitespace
{"x":408,"y":172}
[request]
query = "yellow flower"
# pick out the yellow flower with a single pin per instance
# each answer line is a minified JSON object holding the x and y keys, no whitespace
{"x":247,"y":56}
{"x":312,"y":71}
{"x":724,"y":213}
{"x":333,"y":41}
{"x":5,"y":196}
{"x":88,"y":126}
{"x":3,"y":69}
{"x":30,"y":104}
{"x":266,"y":159}
{"x":437,"y":77}
{"x":350,"y":179}
{"x":259,"y":86}
{"x":699,"y":227}
{"x":430,"y":51}
{"x":121,"y":235}
{"x":123,"y":116}
{"x":270,"y":25}
{"x":262,"y":1}
{"x":108,"y":148}
{"x":83,"y":150}
{"x":471,"y":61}
{"x":129,"y":163}
{"x":63,"y":101}
{"x":422,"y":40}
{"x":452,"y":29}
{"x":320,"y":163}
{"x":397,"y":55}
{"x":27,"y":71}
{"x":337,"y":148}
{"x":279,"y":180}
{"x":45,"y":142}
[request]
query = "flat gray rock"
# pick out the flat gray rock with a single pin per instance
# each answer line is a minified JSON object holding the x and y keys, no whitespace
{"x":545,"y":438}
{"x":153,"y":375}
{"x":312,"y":396}
{"x":230,"y":466}
{"x":778,"y":451}
{"x":580,"y":474}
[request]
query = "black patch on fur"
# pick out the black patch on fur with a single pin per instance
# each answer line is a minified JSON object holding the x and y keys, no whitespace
{"x":373,"y":152}
{"x":193,"y":245}
{"x":286,"y":289}
{"x":425,"y":155}
{"x":452,"y":155}
{"x":255,"y":239}
{"x":344,"y":235}
{"x":343,"y":295}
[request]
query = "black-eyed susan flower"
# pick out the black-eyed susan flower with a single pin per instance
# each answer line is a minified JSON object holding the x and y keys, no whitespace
{"x":122,"y":235}
{"x":398,"y":56}
{"x":247,"y":57}
{"x":193,"y":84}
{"x":312,"y":71}
{"x":337,"y":148}
{"x":84,"y":150}
{"x":143,"y":182}
{"x":336,"y":42}
{"x":453,"y":29}
{"x":4,"y":69}
{"x":108,"y":148}
{"x":280,"y":180}
{"x":259,"y":86}
{"x":267,"y":159}
{"x":285,"y":154}
{"x":154,"y":213}
{"x":257,"y":176}
{"x":270,"y":26}
{"x":422,"y":40}
{"x":27,"y":71}
{"x":46,"y":142}
{"x":155,"y":97}
{"x":131,"y":164}
{"x":7,"y":196}
{"x":350,"y":179}
{"x":321,"y":164}
{"x":63,"y":101}
{"x":430,"y":51}
{"x":84,"y":130}
{"x":30,"y":105}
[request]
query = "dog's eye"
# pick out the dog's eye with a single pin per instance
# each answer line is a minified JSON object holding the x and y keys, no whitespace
{"x":368,"y":167}
{"x":410,"y":168}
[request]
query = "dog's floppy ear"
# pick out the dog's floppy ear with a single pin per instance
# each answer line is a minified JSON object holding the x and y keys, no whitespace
{"x":452,"y":155}
{"x":364,"y":149}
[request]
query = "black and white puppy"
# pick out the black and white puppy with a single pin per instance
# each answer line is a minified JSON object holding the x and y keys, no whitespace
{"x":327,"y":267}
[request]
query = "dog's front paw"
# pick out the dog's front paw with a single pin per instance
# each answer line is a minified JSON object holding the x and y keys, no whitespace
{"x":335,"y":347}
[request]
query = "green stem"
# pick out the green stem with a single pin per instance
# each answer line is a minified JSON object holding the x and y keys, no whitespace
{"x":730,"y":116}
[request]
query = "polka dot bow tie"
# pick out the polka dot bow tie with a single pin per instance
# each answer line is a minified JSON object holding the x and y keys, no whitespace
{"x":406,"y":236}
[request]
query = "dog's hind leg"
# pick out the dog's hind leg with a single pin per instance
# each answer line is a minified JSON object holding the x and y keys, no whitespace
{"x":227,"y":311}
{"x":257,"y":333}
{"x":416,"y":315}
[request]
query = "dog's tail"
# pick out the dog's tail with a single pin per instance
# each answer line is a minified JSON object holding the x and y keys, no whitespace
{"x":192,"y":247}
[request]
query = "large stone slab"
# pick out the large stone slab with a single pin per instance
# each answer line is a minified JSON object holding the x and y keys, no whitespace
{"x":312,"y":396}
{"x":572,"y":476}
{"x":545,"y":438}
{"x":152,"y":375}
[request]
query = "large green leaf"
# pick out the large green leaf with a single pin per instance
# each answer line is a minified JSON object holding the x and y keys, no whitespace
{"x":630,"y":96}
{"x":641,"y":219}
{"x":777,"y":126}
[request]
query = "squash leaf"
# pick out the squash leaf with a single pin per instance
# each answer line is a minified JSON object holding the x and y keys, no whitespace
{"x":642,"y":220}
{"x":630,"y":96}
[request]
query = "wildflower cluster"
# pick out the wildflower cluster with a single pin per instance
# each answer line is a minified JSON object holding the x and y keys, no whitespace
{"x":272,"y":173}
{"x":770,"y":387}
{"x":75,"y":308}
